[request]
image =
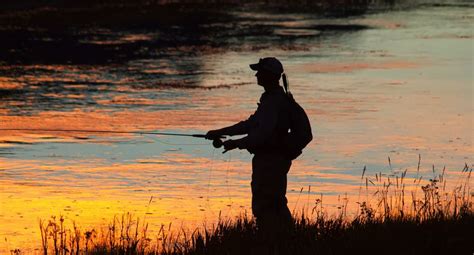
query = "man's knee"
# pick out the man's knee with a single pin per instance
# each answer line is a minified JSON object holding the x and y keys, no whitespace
{"x":274,"y":202}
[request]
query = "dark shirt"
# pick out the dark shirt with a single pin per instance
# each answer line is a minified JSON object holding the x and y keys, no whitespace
{"x":267,"y":127}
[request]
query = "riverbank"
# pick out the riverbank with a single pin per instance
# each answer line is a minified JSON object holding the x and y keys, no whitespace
{"x":439,"y":222}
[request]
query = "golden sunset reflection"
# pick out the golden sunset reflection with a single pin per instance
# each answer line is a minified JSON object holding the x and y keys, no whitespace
{"x":183,"y":189}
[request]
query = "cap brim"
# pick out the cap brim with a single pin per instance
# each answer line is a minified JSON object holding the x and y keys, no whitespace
{"x":254,"y":67}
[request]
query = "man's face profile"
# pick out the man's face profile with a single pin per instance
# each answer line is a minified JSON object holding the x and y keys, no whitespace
{"x":265,"y":78}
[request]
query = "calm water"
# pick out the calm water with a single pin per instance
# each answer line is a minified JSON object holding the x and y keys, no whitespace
{"x":396,"y":85}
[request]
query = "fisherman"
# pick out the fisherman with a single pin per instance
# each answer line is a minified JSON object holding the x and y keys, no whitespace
{"x":266,"y":130}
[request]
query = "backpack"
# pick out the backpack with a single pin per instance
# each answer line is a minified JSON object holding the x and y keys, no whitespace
{"x":300,"y":134}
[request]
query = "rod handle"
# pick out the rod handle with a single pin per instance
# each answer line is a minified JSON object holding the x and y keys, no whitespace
{"x":204,"y":136}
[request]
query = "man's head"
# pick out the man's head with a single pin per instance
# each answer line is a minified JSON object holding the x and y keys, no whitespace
{"x":269,"y":71}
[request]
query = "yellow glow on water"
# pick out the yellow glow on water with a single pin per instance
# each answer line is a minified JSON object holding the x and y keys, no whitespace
{"x":171,"y":183}
{"x":106,"y":120}
{"x":92,"y":202}
{"x":24,"y":202}
{"x":89,"y":210}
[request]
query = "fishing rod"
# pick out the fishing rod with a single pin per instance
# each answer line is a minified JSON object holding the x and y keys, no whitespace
{"x":217,"y":143}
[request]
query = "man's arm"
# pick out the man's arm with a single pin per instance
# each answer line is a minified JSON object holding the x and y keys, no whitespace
{"x":240,"y":128}
{"x":266,"y":120}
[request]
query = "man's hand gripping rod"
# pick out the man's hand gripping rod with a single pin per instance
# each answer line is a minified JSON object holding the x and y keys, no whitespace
{"x":217,"y":142}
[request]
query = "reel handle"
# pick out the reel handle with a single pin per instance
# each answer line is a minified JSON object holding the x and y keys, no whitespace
{"x":217,"y":143}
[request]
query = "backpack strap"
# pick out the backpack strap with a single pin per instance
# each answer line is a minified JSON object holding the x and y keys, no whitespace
{"x":285,"y":83}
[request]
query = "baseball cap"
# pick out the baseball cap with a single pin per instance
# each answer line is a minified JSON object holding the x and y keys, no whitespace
{"x":270,"y":64}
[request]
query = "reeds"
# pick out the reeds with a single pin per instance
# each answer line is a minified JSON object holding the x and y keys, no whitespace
{"x":391,"y":219}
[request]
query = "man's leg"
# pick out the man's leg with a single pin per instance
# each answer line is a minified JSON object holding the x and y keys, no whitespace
{"x":269,"y":204}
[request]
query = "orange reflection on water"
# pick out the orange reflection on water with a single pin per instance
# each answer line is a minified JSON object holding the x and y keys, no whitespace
{"x":129,"y":100}
{"x":191,"y":118}
{"x":9,"y":83}
{"x":73,"y":96}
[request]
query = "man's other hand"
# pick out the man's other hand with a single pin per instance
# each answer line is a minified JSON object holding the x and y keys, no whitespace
{"x":229,"y":145}
{"x":213,"y":134}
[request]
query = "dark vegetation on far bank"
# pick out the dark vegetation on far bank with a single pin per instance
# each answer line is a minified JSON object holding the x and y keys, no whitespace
{"x":391,"y":219}
{"x":113,"y":32}
{"x":326,"y":7}
{"x":89,"y":32}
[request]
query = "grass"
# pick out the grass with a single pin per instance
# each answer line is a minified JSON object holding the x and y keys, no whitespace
{"x":397,"y":216}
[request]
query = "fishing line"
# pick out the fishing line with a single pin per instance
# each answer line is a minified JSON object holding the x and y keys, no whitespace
{"x":160,"y":140}
{"x":116,"y":132}
{"x":211,"y":167}
{"x":227,"y":181}
{"x":209,"y":182}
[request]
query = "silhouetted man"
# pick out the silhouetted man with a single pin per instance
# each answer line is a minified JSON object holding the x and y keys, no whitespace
{"x":266,"y":131}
